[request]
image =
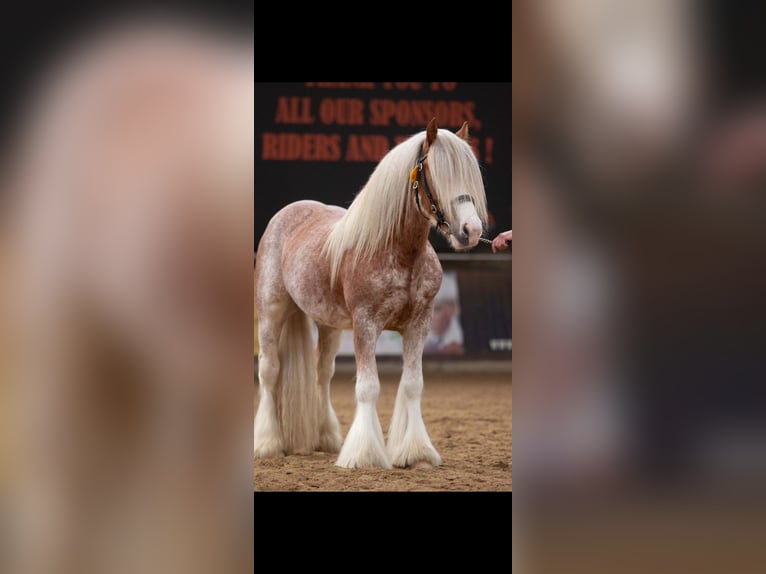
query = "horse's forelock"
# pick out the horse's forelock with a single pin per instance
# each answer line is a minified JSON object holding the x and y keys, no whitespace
{"x":455,"y":171}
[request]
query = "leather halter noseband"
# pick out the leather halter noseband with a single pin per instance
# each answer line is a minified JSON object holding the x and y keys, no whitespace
{"x":416,"y":176}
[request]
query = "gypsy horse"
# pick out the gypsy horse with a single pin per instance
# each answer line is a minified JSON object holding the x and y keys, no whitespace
{"x":368,"y":268}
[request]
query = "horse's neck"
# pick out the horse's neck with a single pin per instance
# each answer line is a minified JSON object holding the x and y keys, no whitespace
{"x":412,"y":237}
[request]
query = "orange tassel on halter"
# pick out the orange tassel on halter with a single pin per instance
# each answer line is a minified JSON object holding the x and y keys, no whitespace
{"x":414,"y":174}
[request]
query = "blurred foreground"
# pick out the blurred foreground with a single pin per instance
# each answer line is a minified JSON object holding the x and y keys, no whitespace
{"x":639,"y":195}
{"x":126,"y":291}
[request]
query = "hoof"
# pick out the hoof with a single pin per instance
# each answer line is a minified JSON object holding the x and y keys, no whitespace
{"x":371,"y":458}
{"x":409,"y":456}
{"x":357,"y":453}
{"x":330,"y":443}
{"x":268,"y":449}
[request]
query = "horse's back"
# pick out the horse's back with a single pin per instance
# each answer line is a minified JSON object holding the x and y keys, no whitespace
{"x":298,"y":228}
{"x":288,"y":219}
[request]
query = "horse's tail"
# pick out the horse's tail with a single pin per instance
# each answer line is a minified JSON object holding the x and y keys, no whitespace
{"x":297,"y":389}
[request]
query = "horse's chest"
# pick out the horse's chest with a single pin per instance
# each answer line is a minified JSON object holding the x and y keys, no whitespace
{"x":404,"y":296}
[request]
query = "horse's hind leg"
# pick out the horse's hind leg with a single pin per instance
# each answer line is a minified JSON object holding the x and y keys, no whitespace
{"x":267,"y":434}
{"x":408,"y":441}
{"x":329,"y":430}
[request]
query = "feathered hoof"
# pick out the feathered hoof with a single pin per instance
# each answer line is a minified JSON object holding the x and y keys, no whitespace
{"x":330,"y":439}
{"x":330,"y":442}
{"x":300,"y":451}
{"x":357,"y":453}
{"x":268,"y":448}
{"x":414,"y":455}
{"x":368,"y":459}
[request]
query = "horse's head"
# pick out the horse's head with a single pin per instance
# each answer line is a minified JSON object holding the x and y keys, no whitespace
{"x":448,"y":186}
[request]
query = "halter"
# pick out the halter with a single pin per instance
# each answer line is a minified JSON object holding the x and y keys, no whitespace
{"x":416,"y":175}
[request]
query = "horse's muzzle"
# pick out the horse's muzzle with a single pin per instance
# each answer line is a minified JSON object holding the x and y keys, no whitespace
{"x":463,"y":236}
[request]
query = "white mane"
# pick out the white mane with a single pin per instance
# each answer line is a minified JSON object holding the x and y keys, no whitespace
{"x":370,"y":224}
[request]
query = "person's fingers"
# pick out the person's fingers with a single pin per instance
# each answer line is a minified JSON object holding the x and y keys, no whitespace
{"x":493,"y":248}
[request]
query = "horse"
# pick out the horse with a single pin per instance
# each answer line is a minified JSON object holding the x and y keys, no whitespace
{"x":368,"y":268}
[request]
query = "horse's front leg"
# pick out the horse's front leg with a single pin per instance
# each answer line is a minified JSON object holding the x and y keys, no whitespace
{"x":408,"y":441}
{"x":364,"y":446}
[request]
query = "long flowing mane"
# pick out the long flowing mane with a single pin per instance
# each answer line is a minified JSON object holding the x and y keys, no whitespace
{"x":371,"y":223}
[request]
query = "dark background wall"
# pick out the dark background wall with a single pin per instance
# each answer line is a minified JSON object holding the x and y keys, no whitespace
{"x":322,"y":140}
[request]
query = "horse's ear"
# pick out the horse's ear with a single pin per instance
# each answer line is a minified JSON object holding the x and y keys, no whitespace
{"x":431,"y":133}
{"x":463,"y":131}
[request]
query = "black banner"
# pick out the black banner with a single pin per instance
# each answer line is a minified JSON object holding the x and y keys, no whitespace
{"x":321,"y":141}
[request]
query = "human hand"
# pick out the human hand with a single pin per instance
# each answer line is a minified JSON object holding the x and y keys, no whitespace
{"x":500,"y":242}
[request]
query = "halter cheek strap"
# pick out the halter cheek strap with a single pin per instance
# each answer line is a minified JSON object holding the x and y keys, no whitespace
{"x":418,"y":178}
{"x":418,"y":175}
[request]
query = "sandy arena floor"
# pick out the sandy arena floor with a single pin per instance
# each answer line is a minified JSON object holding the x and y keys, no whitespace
{"x":467,"y":416}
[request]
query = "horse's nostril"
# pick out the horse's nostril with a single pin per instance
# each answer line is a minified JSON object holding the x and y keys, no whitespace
{"x":463,"y":236}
